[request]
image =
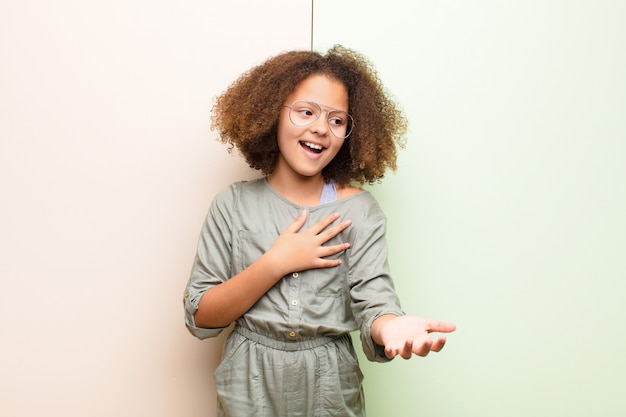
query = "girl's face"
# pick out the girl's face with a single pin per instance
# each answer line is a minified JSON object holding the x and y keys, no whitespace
{"x":306,"y":150}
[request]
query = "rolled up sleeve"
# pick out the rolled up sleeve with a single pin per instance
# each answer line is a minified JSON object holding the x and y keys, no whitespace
{"x":372,"y":290}
{"x":212,"y":264}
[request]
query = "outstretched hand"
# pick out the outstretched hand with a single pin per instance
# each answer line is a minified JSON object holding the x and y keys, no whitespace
{"x":408,"y":335}
{"x":297,"y":250}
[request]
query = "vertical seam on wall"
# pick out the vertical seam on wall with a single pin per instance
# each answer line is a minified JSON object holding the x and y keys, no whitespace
{"x":312,"y":18}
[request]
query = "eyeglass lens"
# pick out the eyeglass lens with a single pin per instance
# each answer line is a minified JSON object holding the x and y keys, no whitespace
{"x":303,"y":113}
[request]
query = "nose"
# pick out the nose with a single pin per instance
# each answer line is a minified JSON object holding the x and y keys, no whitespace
{"x":320,"y":125}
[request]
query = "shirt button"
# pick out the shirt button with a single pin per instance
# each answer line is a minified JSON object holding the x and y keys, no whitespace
{"x":295,"y":275}
{"x":294,"y":302}
{"x":292,"y":334}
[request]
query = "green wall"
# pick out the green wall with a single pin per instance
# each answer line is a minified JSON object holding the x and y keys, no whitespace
{"x":507,"y":213}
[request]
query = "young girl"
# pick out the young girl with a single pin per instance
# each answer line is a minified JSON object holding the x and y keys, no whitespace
{"x":314,"y":125}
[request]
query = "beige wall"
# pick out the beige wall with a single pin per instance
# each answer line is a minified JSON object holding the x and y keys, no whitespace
{"x":107,"y":167}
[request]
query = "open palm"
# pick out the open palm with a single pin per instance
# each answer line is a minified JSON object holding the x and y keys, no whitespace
{"x":408,"y":335}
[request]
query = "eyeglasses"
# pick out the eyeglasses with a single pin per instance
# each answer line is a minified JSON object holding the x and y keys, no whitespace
{"x":303,"y":113}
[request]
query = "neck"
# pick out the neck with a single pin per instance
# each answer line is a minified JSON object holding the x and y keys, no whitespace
{"x":299,"y":190}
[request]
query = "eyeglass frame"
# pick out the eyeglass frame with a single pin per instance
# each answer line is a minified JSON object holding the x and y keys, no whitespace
{"x":349,"y":124}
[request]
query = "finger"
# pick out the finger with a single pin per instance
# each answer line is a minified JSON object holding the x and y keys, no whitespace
{"x":327,"y":263}
{"x":407,"y":350}
{"x":424,"y":348}
{"x":330,"y":233}
{"x":439,"y":326}
{"x":324,"y":223}
{"x":325,"y":251}
{"x":438,"y":344}
{"x":298,"y":222}
{"x":333,"y":249}
{"x":390,"y":353}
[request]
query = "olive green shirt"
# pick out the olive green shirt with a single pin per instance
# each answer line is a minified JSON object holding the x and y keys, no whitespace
{"x":244,"y":221}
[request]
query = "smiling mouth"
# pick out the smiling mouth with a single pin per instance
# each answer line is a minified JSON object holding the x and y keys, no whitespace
{"x":315,"y":148}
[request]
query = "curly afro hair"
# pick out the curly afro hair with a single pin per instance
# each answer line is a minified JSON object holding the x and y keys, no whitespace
{"x":246,"y":114}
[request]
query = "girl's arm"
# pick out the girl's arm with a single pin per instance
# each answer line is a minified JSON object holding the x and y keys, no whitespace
{"x":292,"y":251}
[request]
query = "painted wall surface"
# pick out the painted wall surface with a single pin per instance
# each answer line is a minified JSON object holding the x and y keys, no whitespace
{"x":107,"y":168}
{"x":506,"y":215}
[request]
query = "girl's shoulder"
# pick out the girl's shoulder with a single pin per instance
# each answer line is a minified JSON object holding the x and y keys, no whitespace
{"x":236,"y":191}
{"x":347,"y":190}
{"x":358,"y":203}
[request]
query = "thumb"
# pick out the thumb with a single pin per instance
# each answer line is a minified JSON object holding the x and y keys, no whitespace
{"x":440,"y":326}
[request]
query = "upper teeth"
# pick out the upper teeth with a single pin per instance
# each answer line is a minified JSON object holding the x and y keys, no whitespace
{"x":313,"y":145}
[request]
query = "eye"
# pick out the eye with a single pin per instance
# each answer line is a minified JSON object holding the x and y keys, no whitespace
{"x":337,"y":119}
{"x":305,"y":112}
